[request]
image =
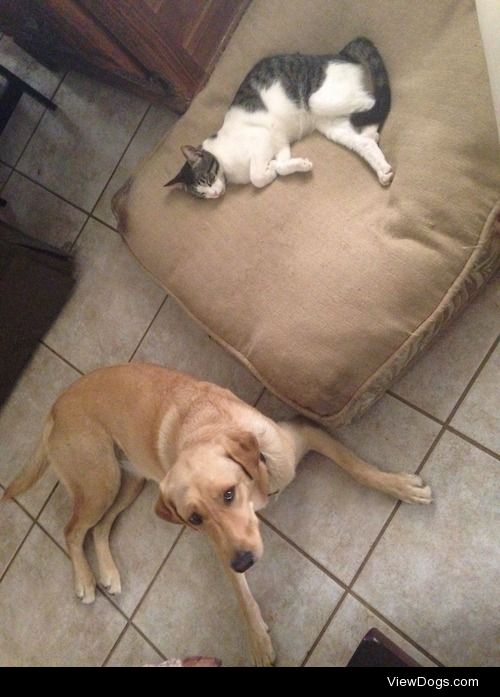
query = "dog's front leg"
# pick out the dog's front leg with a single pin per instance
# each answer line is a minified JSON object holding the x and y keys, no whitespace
{"x":260,"y":641}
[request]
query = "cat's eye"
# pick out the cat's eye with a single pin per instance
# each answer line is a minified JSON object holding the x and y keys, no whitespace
{"x":195,"y":519}
{"x":229,"y":496}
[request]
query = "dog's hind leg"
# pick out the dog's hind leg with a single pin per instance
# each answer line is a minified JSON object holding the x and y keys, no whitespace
{"x":87,"y":467}
{"x":402,"y":485}
{"x":109,"y":576}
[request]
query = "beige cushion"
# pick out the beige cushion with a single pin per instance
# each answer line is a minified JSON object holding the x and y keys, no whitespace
{"x":326,"y":285}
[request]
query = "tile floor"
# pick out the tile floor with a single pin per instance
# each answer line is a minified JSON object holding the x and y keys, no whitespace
{"x":339,"y":559}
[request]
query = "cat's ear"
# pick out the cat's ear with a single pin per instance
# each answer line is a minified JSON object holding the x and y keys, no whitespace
{"x":192,"y":155}
{"x":179,"y":178}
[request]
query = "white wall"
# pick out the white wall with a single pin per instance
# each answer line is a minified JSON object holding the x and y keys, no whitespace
{"x":488,"y":12}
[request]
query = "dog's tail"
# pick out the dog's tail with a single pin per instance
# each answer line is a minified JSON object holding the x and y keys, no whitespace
{"x":34,"y":469}
{"x":362,"y":51}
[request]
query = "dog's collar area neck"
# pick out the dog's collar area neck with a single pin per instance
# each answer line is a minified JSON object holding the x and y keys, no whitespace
{"x":263,"y":458}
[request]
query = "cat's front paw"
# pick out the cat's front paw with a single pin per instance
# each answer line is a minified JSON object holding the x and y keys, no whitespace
{"x":304,"y":165}
{"x":386,"y":177}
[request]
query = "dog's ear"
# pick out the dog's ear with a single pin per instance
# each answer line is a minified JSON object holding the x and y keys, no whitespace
{"x":168,"y":513}
{"x":243,"y":448}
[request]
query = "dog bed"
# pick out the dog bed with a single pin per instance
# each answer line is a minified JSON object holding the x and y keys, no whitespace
{"x":327,"y":286}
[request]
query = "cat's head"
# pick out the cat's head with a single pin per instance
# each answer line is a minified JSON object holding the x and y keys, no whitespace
{"x":202,"y":174}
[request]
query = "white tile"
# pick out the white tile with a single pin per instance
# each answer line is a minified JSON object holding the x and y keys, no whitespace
{"x":479,"y":414}
{"x":14,"y":524}
{"x":22,"y":418}
{"x":439,"y":377}
{"x":348,"y":627}
{"x":76,"y":148}
{"x":112,"y":303}
{"x":192,"y":610}
{"x":156,"y":123}
{"x":40,"y":214}
{"x":327,"y":513}
{"x":27,"y":114}
{"x":42,"y":623}
{"x":175,"y":341}
{"x":133,"y":651}
{"x":140,"y":541}
{"x":5,"y":173}
{"x":434,"y":573}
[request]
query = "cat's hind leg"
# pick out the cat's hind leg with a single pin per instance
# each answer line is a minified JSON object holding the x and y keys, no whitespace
{"x":262,"y":172}
{"x":343,"y":132}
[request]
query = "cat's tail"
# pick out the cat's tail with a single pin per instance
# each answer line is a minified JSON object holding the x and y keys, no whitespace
{"x":361,"y":50}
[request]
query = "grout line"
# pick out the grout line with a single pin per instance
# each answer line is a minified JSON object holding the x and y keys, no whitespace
{"x":136,"y":609}
{"x":52,"y":98}
{"x":261,"y":394}
{"x":148,"y":328}
{"x":384,"y":527}
{"x":34,"y":520}
{"x":9,"y":564}
{"x":59,"y":196}
{"x":141,"y":120}
{"x":347,"y":590}
{"x":472,"y":381}
{"x":103,"y":222}
{"x":115,"y":644}
{"x":303,"y":553}
{"x":73,"y":244}
{"x":415,"y":407}
{"x":445,"y":426}
{"x":473,"y":442}
{"x":155,"y":576}
{"x":146,"y":638}
{"x":50,"y":191}
{"x":4,"y":184}
{"x":99,"y":590}
{"x":325,"y":627}
{"x":65,"y":360}
{"x":395,"y":628}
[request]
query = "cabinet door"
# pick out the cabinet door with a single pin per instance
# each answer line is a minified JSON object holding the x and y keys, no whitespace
{"x":178,"y":41}
{"x":62,"y":35}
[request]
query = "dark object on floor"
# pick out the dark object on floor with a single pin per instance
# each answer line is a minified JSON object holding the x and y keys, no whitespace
{"x":377,"y":651}
{"x":35,"y":282}
{"x":12,"y":93}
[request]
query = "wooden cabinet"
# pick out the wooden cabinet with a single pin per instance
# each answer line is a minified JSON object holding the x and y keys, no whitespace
{"x":160,"y":48}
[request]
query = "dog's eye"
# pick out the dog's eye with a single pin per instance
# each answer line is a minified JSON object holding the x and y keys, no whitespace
{"x":229,"y":495}
{"x":195,"y":519}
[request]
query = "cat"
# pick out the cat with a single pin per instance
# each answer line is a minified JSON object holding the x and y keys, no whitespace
{"x":282,"y":99}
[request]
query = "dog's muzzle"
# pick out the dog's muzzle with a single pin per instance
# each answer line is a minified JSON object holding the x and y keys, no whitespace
{"x":242,"y":561}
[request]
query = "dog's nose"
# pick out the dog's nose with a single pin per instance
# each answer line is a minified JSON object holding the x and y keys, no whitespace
{"x":242,"y":561}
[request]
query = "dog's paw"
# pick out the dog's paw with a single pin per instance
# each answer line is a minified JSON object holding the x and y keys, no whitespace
{"x":85,"y":590}
{"x":386,"y":177}
{"x":410,"y":488}
{"x":263,"y":655}
{"x":111,"y":582}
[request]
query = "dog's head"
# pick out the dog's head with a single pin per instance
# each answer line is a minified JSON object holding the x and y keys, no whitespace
{"x":202,"y":174}
{"x":216,"y":487}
